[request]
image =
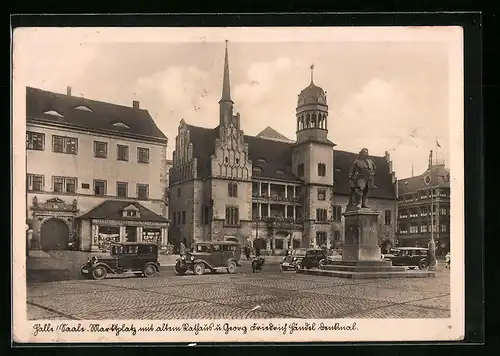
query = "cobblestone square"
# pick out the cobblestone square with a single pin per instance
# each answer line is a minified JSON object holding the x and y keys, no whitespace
{"x":273,"y":294}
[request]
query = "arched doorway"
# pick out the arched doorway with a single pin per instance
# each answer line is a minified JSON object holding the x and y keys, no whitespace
{"x":54,"y":235}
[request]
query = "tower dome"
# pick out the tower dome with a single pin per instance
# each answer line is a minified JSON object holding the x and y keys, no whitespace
{"x":312,"y":94}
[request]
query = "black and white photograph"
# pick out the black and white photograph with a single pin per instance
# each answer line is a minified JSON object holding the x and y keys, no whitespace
{"x":238,"y":184}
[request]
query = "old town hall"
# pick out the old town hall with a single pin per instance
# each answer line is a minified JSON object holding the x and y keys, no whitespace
{"x":225,"y":185}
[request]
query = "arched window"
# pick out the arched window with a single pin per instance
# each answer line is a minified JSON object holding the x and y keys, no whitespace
{"x":314,"y":122}
{"x":308,"y":121}
{"x":321,"y":169}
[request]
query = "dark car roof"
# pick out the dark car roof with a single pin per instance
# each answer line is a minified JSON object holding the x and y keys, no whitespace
{"x":217,"y":243}
{"x":409,"y":248}
{"x":135,"y":244}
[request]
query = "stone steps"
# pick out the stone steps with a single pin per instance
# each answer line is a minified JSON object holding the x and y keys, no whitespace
{"x":368,"y":274}
{"x":351,"y":268}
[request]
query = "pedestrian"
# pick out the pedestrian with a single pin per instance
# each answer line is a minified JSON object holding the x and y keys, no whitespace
{"x":247,"y":252}
{"x":182,"y":249}
{"x":447,"y":259}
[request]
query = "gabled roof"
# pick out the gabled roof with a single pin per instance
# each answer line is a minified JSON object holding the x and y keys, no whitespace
{"x":101,"y":117}
{"x":439,"y":174}
{"x":112,"y":210}
{"x":278,"y":156}
{"x":271,"y":133}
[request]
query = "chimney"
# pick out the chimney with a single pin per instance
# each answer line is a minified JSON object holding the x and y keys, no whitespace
{"x":135,"y":104}
{"x":68,"y":91}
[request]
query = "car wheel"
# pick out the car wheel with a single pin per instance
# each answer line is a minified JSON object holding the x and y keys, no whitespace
{"x":179,"y":270}
{"x":149,"y":271}
{"x":84,"y":275}
{"x":298,"y":266}
{"x":231,"y":267}
{"x":423,"y":265}
{"x":284,"y":268}
{"x":321,"y":263}
{"x":99,"y":273}
{"x":198,"y":269}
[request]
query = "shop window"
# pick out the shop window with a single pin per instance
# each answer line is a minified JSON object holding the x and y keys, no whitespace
{"x":35,"y":141}
{"x":107,"y":236}
{"x":151,"y":235}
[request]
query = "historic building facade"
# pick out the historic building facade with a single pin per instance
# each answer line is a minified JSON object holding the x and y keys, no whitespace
{"x":267,"y":189}
{"x":96,"y":172}
{"x":424,"y":208}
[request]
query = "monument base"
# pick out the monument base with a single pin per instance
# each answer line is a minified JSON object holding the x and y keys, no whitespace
{"x":361,"y":257}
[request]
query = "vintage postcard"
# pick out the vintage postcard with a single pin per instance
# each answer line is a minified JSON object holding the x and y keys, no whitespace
{"x":238,"y":184}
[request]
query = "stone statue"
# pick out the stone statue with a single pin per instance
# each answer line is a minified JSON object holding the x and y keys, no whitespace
{"x":361,"y":180}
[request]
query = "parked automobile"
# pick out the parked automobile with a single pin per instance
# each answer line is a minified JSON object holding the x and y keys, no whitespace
{"x":212,"y":256}
{"x":411,"y":257}
{"x":314,"y":257}
{"x":140,"y":258}
{"x":293,"y":260}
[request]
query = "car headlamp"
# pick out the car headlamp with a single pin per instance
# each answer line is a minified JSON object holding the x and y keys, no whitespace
{"x":183,"y":257}
{"x":192,"y":258}
{"x":294,"y":259}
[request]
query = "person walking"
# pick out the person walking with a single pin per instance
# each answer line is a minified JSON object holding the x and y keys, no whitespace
{"x":447,"y":259}
{"x":182,"y":249}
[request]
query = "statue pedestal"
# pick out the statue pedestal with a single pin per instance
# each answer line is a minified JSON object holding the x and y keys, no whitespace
{"x":361,"y":256}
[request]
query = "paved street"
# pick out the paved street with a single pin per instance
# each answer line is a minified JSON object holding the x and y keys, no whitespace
{"x":270,"y":294}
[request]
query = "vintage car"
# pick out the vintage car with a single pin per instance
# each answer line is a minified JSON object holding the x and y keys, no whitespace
{"x":293,"y":260}
{"x":411,"y":257}
{"x":212,"y":256}
{"x":315,"y":257}
{"x":139,"y":258}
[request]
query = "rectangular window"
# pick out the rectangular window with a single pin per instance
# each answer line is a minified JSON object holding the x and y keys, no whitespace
{"x":321,"y":169}
{"x":336,"y":235}
{"x":321,"y":193}
{"x":321,"y":215}
{"x":423,"y":228}
{"x":442,"y":211}
{"x":85,"y":186}
{"x":121,"y":189}
{"x":337,"y":213}
{"x":320,"y":238}
{"x":64,"y":184}
{"x":206,"y":215}
{"x":300,"y":170}
{"x":35,"y":182}
{"x":414,"y":229}
{"x":142,"y":191}
{"x":62,"y":144}
{"x":35,"y":141}
{"x":100,"y":149}
{"x":232,"y":189}
{"x":388,"y":217}
{"x":183,"y":218}
{"x":100,"y":187}
{"x":232,"y":215}
{"x":122,"y":153}
{"x":142,"y":155}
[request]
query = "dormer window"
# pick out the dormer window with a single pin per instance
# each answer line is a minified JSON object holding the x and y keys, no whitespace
{"x":280,"y":172}
{"x":83,"y":108}
{"x":261,"y":161}
{"x":257,"y":169}
{"x":131,"y":211}
{"x":121,"y":124}
{"x":53,"y":113}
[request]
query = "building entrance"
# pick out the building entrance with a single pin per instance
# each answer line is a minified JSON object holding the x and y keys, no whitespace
{"x":54,"y":235}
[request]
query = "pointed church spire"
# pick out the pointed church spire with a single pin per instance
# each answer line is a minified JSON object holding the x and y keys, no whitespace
{"x":226,"y":85}
{"x":312,"y":73}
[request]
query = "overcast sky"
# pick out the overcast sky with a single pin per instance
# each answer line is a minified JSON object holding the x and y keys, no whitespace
{"x":388,"y":93}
